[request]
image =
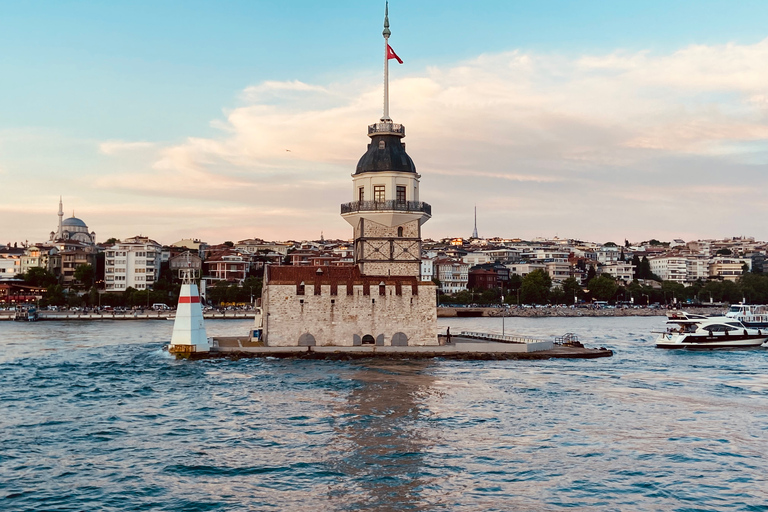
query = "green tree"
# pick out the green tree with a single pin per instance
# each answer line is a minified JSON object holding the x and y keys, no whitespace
{"x":591,"y":274}
{"x":572,"y":288}
{"x":603,"y":287}
{"x":535,"y":287}
{"x":38,"y":276}
{"x":724,"y":252}
{"x":636,"y":263}
{"x":85,"y":274}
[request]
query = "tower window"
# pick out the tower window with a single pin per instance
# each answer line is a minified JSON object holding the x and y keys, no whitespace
{"x":400,"y":231}
{"x":400,"y":194}
{"x":361,"y":194}
{"x":378,"y":192}
{"x":381,"y":144}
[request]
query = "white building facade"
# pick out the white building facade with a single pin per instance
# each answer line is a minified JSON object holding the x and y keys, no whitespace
{"x":133,"y":263}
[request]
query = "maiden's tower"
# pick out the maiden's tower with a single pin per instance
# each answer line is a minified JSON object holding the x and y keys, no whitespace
{"x":381,"y":299}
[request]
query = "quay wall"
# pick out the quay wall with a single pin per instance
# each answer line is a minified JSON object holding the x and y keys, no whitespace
{"x":565,"y":312}
{"x":129,"y":315}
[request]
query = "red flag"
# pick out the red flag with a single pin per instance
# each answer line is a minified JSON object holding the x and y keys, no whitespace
{"x":392,"y":55}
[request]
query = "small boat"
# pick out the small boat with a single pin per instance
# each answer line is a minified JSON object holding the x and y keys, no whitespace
{"x":751,"y":315}
{"x":701,"y":332}
{"x":25,"y":314}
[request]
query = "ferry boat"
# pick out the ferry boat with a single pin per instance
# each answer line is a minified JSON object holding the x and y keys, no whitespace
{"x":701,"y":332}
{"x":25,"y":314}
{"x":751,"y":315}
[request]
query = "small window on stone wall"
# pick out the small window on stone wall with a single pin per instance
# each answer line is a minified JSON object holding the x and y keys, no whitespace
{"x":300,"y":288}
{"x":381,"y":144}
{"x":400,"y":231}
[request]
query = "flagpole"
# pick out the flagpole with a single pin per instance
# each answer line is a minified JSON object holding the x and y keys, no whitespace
{"x":386,"y":33}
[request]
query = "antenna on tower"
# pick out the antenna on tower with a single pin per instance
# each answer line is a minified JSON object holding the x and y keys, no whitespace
{"x":474,"y":232}
{"x":386,"y":33}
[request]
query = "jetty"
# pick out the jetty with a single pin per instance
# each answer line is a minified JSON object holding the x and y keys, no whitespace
{"x":462,"y":346}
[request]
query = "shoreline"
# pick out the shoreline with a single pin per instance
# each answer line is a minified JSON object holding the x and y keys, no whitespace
{"x":565,"y":312}
{"x":44,"y":316}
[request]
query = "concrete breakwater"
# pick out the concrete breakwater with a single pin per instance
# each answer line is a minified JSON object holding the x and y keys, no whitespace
{"x":563,"y":312}
{"x":129,"y":315}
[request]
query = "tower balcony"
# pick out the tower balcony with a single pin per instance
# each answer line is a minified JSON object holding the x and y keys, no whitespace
{"x":386,"y":128}
{"x":387,"y":206}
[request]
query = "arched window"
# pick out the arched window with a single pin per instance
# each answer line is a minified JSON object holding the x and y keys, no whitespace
{"x":400,"y":231}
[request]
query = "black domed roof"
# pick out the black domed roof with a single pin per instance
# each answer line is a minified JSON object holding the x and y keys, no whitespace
{"x":385,"y":153}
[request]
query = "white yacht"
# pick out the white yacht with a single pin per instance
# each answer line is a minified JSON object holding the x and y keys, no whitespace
{"x":700,"y":332}
{"x":751,"y":315}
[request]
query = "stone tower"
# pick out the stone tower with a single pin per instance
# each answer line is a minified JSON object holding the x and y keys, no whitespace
{"x":385,"y":211}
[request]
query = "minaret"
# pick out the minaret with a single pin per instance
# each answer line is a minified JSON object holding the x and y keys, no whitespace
{"x":385,"y":211}
{"x":60,"y":233}
{"x":474,"y":232}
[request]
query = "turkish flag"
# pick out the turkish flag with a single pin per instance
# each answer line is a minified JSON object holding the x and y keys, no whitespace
{"x":392,"y":55}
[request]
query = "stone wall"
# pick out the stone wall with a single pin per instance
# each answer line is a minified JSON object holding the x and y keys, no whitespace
{"x":380,"y":243}
{"x":344,"y":320}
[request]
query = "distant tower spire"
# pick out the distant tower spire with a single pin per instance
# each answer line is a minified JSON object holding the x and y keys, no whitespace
{"x":61,"y":219}
{"x":474,"y":232}
{"x":386,"y":33}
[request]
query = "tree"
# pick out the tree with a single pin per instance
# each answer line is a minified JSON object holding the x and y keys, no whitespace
{"x":636,"y":263}
{"x":38,"y":276}
{"x":535,"y":287}
{"x":111,"y":241}
{"x":591,"y":274}
{"x":610,"y":244}
{"x":85,"y":275}
{"x":603,"y":287}
{"x":572,"y":288}
{"x":724,"y":252}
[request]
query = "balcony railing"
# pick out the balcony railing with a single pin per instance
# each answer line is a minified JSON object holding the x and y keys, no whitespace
{"x":373,"y":206}
{"x":386,"y":127}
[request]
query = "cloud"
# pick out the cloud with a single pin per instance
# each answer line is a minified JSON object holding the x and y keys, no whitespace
{"x":112,"y":147}
{"x":598,"y":146}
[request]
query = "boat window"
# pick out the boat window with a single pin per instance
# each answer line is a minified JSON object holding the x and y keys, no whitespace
{"x":738,"y":325}
{"x":734,"y":309}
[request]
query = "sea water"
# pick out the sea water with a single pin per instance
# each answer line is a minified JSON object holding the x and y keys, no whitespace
{"x":95,"y":416}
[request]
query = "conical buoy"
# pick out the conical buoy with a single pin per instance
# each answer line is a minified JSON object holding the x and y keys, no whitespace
{"x":189,"y":327}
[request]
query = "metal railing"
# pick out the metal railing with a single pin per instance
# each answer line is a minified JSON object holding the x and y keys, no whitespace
{"x":504,"y":338}
{"x":386,"y":127}
{"x":400,"y":206}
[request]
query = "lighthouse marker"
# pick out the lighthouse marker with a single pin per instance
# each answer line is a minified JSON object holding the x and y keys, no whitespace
{"x":189,"y":328}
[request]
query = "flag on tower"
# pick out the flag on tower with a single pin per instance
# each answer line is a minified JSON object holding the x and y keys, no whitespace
{"x":392,"y":55}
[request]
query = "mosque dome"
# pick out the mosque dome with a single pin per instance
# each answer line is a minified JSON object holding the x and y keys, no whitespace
{"x":74,"y":222}
{"x":385,"y":153}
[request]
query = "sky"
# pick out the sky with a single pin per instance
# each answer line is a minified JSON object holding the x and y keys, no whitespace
{"x":228,"y":120}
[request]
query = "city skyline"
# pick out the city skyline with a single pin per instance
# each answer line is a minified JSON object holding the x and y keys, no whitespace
{"x":193,"y":120}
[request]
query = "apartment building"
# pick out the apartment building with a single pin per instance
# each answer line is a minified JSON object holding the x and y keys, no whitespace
{"x":133,"y":263}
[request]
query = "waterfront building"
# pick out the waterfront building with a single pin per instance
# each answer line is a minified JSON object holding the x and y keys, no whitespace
{"x":427,"y":269}
{"x":66,"y":256}
{"x":620,"y":271}
{"x":132,"y":263}
{"x":191,"y":244}
{"x":728,"y":269}
{"x":10,"y":266}
{"x":670,"y":268}
{"x":228,"y":265}
{"x":380,"y":299}
{"x":36,"y":256}
{"x":453,"y":274}
{"x":72,"y":229}
{"x":259,"y":246}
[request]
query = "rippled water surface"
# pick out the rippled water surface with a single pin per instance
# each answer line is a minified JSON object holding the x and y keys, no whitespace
{"x":94,"y":416}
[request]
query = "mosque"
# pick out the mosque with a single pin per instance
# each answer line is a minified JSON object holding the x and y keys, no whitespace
{"x":72,"y":229}
{"x":380,"y":300}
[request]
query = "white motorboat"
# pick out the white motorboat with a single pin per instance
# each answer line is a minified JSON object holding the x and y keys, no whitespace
{"x":751,"y":315}
{"x":700,"y":332}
